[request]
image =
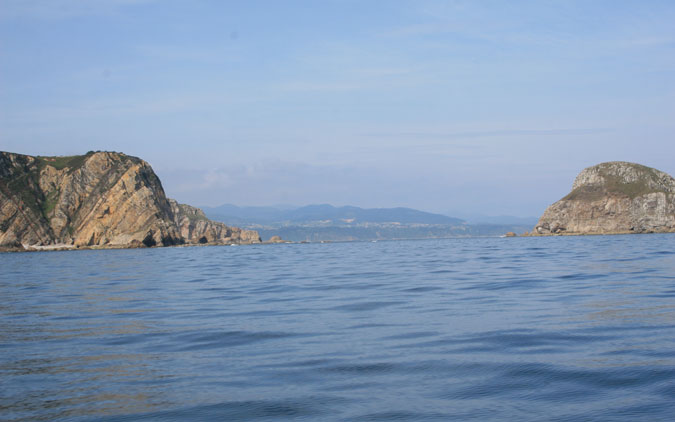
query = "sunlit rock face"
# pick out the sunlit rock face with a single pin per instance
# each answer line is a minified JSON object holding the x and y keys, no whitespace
{"x":96,"y":200}
{"x":614,"y":197}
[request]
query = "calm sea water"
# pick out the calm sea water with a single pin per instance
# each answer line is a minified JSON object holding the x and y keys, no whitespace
{"x":562,"y":329}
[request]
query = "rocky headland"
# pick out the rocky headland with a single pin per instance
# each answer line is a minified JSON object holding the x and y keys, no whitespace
{"x":101,"y":199}
{"x":613,"y":198}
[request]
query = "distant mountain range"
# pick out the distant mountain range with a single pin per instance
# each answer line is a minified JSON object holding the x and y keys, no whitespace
{"x":324,"y":214}
{"x":328,"y":223}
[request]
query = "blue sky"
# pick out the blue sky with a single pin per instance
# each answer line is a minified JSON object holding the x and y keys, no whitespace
{"x":466,"y":106}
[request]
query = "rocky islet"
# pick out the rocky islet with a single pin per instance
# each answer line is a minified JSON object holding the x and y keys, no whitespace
{"x":613,"y":198}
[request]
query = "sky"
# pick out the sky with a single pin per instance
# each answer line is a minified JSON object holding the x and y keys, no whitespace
{"x":489,"y":107}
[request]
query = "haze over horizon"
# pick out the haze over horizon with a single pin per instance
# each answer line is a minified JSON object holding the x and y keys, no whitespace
{"x":473,"y":106}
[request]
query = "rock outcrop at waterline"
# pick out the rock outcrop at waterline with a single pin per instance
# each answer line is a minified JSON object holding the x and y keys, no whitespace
{"x":101,"y":199}
{"x":613,"y":197}
{"x":193,"y":225}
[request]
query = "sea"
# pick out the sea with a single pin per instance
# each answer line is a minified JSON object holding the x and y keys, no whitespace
{"x":470,"y":329}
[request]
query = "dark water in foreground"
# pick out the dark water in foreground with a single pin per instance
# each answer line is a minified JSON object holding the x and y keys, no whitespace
{"x":564,"y":329}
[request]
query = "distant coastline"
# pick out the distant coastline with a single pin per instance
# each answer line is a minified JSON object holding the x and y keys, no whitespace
{"x":108,"y":200}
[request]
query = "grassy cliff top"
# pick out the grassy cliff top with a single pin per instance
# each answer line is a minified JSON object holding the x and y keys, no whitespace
{"x":20,"y":174}
{"x":74,"y":162}
{"x":619,"y":178}
{"x":61,"y":162}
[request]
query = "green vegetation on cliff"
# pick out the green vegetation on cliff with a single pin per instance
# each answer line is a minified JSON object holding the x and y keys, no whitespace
{"x":614,"y":197}
{"x":72,"y":162}
{"x":649,"y":181}
{"x":24,"y":186}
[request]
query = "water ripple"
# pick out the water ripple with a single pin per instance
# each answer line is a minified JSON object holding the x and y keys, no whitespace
{"x":528,"y":329}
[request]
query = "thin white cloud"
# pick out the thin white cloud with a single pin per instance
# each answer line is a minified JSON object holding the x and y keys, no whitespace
{"x":109,"y":107}
{"x":303,"y":86}
{"x":62,"y":9}
{"x":567,"y":25}
{"x":188,"y":53}
{"x":489,"y":133}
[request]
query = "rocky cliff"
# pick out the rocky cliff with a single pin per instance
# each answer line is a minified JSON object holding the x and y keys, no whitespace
{"x":614,"y":197}
{"x":194,"y":226}
{"x":101,"y":199}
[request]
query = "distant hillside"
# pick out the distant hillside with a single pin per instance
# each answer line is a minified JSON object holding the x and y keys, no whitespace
{"x":501,"y":219}
{"x":325,"y":214}
{"x":324,"y":222}
{"x":244,"y":215}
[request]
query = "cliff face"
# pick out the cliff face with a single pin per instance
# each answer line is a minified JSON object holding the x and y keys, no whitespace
{"x":98,"y":199}
{"x":614,"y":197}
{"x":194,"y":226}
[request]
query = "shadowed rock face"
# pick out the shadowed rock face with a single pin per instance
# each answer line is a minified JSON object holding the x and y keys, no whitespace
{"x":98,"y":199}
{"x":196,"y":228}
{"x":614,"y":197}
